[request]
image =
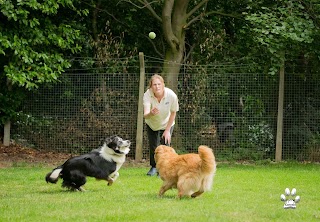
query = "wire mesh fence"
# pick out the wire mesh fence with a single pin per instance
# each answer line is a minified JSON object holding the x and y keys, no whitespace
{"x":227,"y":107}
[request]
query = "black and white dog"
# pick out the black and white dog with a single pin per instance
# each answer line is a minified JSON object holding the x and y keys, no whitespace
{"x":102,"y":163}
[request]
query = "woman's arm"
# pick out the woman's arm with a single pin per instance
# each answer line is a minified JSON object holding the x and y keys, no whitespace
{"x":166,"y":134}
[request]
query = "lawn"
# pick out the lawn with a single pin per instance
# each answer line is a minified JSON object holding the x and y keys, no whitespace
{"x":240,"y":193}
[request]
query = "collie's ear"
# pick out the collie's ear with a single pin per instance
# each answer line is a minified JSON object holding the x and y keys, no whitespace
{"x":113,"y":145}
{"x":105,"y":140}
{"x":110,"y":139}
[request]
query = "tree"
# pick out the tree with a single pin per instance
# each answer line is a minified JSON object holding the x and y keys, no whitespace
{"x":286,"y":27}
{"x":249,"y":26}
{"x":35,"y":37}
{"x":175,"y":19}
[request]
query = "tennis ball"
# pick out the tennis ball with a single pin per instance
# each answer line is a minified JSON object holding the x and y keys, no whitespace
{"x":152,"y":35}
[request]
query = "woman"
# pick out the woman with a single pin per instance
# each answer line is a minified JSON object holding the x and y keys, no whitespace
{"x":160,"y":106}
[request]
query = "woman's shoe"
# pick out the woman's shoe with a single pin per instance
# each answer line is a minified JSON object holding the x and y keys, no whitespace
{"x":152,"y":171}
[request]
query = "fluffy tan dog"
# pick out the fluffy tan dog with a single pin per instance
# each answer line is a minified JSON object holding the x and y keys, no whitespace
{"x":192,"y":174}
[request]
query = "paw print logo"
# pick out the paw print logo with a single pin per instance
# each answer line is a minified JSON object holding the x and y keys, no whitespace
{"x":290,"y":203}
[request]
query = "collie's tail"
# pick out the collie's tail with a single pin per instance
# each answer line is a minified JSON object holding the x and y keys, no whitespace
{"x":53,"y":176}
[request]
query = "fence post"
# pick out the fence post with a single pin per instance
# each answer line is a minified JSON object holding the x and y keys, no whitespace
{"x":6,"y":133}
{"x":139,"y":137}
{"x":7,"y":125}
{"x":280,"y":115}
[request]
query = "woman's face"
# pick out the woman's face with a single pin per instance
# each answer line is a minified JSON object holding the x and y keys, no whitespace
{"x":157,"y":87}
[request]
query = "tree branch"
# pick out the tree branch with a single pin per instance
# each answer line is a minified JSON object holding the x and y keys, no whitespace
{"x":193,"y":20}
{"x":167,"y":26}
{"x":148,"y":5}
{"x":196,"y":8}
{"x":210,"y":13}
{"x":155,"y":47}
{"x":94,"y":20}
{"x":189,"y":53}
{"x":222,"y":14}
{"x":145,"y":4}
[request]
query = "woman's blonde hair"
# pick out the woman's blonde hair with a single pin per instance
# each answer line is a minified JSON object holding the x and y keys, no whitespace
{"x":155,"y":76}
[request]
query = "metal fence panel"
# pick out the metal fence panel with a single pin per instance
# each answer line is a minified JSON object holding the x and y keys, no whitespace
{"x":227,"y":107}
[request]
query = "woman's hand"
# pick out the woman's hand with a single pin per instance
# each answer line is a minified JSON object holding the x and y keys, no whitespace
{"x":167,"y":137}
{"x":154,"y":111}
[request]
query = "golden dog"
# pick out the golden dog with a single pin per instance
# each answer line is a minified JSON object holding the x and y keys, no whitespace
{"x":192,"y":174}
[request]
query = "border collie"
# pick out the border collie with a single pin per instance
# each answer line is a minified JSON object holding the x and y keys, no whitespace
{"x":102,"y":163}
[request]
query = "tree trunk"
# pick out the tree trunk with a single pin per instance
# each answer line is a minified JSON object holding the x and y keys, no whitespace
{"x":95,"y":20}
{"x":174,"y":17}
{"x":171,"y":69}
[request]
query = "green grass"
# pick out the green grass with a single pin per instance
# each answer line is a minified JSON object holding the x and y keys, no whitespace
{"x":240,"y":193}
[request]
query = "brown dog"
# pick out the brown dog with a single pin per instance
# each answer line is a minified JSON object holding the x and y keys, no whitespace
{"x":192,"y":174}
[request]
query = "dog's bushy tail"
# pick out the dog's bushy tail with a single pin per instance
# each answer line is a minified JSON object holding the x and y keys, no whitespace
{"x":208,"y":166}
{"x":208,"y":159}
{"x":54,"y":175}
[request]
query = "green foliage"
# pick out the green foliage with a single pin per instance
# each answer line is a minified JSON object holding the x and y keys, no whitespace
{"x":83,"y":107}
{"x":253,"y":107}
{"x":283,"y":25}
{"x":268,"y":34}
{"x":302,"y":117}
{"x":111,"y":51}
{"x":10,"y":103}
{"x":35,"y":37}
{"x":313,"y":147}
{"x":32,"y":41}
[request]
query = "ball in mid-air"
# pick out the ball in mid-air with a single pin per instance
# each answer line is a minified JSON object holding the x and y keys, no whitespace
{"x":152,"y":35}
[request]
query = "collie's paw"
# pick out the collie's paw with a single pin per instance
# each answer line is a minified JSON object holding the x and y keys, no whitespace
{"x":81,"y":189}
{"x":110,"y":181}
